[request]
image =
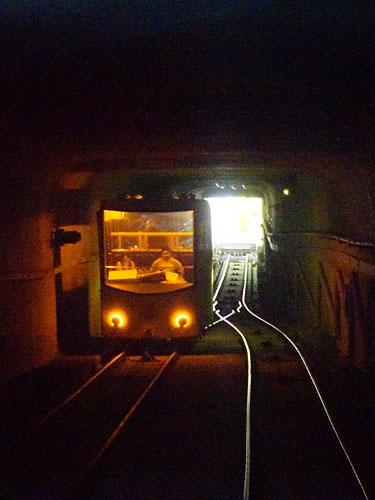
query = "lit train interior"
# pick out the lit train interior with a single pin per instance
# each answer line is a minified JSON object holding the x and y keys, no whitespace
{"x":135,"y":243}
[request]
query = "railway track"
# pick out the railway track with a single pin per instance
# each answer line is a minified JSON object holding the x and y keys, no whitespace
{"x":295,"y":449}
{"x":52,"y":458}
{"x":187,"y":441}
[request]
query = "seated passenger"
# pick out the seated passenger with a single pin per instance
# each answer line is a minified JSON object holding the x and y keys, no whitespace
{"x":167,"y":263}
{"x":125,"y":263}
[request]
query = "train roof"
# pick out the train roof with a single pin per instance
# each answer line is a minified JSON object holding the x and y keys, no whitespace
{"x":153,"y":205}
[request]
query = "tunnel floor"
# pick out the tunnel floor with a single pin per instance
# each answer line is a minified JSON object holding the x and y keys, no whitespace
{"x":348,"y":393}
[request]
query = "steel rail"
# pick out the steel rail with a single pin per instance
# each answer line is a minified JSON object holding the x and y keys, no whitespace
{"x":222,"y":319}
{"x":315,"y":385}
{"x":53,"y":412}
{"x":76,"y":484}
{"x":246,"y":486}
{"x":223,"y":274}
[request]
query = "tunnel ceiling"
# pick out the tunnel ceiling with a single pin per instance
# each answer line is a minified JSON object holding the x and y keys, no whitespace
{"x":102,"y":97}
{"x":90,"y":85}
{"x":185,"y":181}
{"x":197,"y":168}
{"x":198,"y":174}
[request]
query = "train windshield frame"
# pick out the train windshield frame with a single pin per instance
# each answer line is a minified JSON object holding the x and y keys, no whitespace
{"x":148,"y":252}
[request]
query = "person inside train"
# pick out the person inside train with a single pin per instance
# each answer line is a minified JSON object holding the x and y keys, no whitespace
{"x":167,"y":263}
{"x":125,"y":263}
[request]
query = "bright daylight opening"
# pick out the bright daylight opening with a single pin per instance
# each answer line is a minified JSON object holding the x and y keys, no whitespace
{"x":236,"y":223}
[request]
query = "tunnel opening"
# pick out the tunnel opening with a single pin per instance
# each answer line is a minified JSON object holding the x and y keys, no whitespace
{"x":237,"y":225}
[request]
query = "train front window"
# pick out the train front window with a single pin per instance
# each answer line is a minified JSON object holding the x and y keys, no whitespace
{"x":148,"y":252}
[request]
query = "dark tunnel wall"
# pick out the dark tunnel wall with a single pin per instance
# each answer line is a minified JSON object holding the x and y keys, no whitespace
{"x":331,"y":198}
{"x":27,"y":291}
{"x":327,"y":287}
{"x":322,"y":261}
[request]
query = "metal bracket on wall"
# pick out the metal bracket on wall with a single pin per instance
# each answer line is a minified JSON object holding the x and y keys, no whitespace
{"x":61,"y":237}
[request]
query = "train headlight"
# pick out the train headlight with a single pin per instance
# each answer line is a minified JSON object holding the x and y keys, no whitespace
{"x":182,"y":320}
{"x":117,"y":320}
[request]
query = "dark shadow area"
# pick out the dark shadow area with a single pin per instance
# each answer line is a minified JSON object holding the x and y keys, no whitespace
{"x":72,"y":319}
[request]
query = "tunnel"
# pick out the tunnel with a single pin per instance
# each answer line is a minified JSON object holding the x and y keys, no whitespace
{"x":160,"y":102}
{"x":268,"y":100}
{"x":317,"y":253}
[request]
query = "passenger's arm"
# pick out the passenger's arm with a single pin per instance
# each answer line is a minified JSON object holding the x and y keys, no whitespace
{"x":180,"y":269}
